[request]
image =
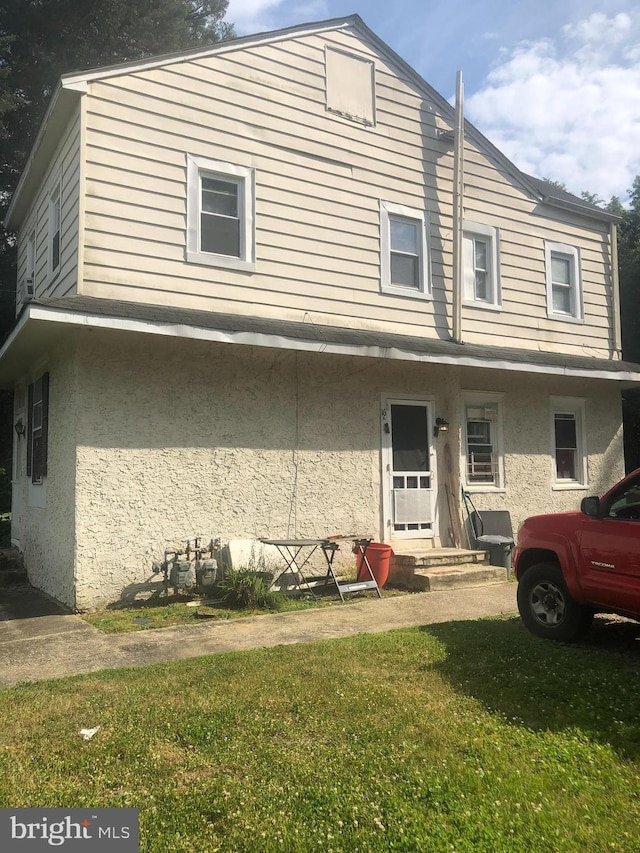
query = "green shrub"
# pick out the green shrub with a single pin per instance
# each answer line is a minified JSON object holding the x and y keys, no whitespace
{"x":248,"y":589}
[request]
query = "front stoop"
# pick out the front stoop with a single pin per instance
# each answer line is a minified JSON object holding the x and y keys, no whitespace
{"x":443,"y":568}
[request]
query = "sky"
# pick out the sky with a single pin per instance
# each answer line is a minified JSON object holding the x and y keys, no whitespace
{"x":554,"y":84}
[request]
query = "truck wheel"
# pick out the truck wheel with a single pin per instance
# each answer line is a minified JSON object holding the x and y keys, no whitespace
{"x":546,"y":607}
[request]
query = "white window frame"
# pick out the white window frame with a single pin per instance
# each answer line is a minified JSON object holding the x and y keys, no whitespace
{"x":473,"y":231}
{"x":389,"y":211}
{"x":244,"y":177}
{"x":55,"y":227}
{"x":493,"y":402}
{"x":571,"y":254}
{"x":570,"y":406}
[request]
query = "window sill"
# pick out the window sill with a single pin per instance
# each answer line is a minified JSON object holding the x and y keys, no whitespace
{"x":220,"y":261}
{"x":565,"y":318}
{"x":408,"y":292}
{"x":485,"y":306}
{"x":485,"y":490}
{"x":569,"y":487}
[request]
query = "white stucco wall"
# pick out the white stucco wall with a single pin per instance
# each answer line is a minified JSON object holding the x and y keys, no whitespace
{"x":181,"y":438}
{"x":160,"y":439}
{"x":528,"y":461}
{"x":43,"y":516}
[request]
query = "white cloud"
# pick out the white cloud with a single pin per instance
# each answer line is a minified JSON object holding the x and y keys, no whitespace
{"x":250,"y":16}
{"x":569,"y":108}
{"x":253,"y":16}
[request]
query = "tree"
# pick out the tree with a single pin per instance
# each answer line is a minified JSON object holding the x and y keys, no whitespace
{"x":42,"y":39}
{"x":592,"y":198}
{"x":39,"y":41}
{"x":558,"y":184}
{"x":629,"y":272}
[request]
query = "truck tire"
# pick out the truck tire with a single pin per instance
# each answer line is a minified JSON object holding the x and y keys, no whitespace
{"x":547,"y":609}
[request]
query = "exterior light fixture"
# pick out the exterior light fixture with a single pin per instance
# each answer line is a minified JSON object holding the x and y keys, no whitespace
{"x":441,"y":425}
{"x":19,"y":428}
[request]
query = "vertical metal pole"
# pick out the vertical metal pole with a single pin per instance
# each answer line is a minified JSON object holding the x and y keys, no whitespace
{"x":615,"y":287}
{"x":458,"y":207}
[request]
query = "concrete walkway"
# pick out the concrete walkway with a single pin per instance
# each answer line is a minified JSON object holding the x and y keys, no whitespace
{"x":39,"y":641}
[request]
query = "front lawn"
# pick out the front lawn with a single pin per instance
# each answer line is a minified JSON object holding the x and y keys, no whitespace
{"x":470,"y":736}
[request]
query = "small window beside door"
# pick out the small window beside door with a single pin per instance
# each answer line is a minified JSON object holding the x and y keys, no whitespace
{"x":484,"y":461}
{"x":568,"y":442}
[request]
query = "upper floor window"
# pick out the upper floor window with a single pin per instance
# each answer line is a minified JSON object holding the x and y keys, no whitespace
{"x":30,"y":272}
{"x":55,"y":224}
{"x":480,"y":265}
{"x":220,"y":214}
{"x":568,"y":442}
{"x":405,"y":259}
{"x":37,"y":428}
{"x":27,"y":283}
{"x":484,"y":468}
{"x":564,"y":288}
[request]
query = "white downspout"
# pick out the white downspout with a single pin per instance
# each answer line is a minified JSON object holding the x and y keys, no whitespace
{"x":458,"y":207}
{"x":615,"y":286}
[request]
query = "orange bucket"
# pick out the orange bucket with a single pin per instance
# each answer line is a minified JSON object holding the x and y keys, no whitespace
{"x":378,"y":557}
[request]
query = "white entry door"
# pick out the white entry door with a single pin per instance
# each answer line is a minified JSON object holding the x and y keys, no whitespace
{"x":408,"y":459}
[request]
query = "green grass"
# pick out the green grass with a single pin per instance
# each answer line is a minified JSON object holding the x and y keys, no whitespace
{"x":158,"y":613}
{"x":154,"y":615}
{"x":467,"y":736}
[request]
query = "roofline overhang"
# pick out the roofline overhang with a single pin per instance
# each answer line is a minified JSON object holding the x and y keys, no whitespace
{"x":62,"y":106}
{"x":33,"y":314}
{"x":576,"y":207}
{"x":74,"y":78}
{"x":72,"y":85}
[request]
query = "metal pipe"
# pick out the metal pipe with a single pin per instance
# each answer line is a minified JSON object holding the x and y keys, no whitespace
{"x":615,"y":287}
{"x":458,"y":207}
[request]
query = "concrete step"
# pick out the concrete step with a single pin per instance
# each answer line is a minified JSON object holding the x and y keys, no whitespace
{"x":437,"y":557}
{"x":427,"y":568}
{"x":457,"y":577}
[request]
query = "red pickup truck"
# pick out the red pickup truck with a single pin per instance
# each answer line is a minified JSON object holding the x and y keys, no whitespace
{"x":570,"y":565}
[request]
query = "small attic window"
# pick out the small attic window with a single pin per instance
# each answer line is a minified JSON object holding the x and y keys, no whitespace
{"x":350,"y":86}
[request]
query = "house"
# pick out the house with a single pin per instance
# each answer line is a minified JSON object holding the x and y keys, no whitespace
{"x":278,"y":288}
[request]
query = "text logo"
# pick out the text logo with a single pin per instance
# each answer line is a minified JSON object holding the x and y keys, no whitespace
{"x":38,"y":830}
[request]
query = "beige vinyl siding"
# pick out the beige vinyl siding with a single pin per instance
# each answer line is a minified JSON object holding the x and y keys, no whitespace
{"x":491,"y":198}
{"x":66,"y":167}
{"x":304,"y":218}
{"x":319,"y":181}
